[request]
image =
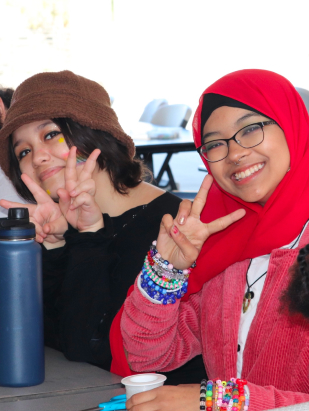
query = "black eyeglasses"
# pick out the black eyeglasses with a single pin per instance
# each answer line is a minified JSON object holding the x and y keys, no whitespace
{"x":247,"y":137}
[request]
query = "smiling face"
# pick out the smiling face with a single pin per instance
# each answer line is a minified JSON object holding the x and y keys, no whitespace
{"x":260,"y":168}
{"x":42,"y":152}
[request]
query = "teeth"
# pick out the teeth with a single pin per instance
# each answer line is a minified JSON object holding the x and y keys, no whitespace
{"x":248,"y":172}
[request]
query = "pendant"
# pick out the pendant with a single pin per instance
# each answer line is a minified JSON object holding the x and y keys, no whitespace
{"x":247,"y":300}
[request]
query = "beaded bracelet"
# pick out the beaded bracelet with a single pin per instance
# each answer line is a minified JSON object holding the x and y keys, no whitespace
{"x":228,"y":396}
{"x":153,"y":253}
{"x":161,"y":294}
{"x":209,"y":393}
{"x":160,"y":280}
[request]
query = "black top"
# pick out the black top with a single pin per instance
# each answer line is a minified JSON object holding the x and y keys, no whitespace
{"x":86,"y":281}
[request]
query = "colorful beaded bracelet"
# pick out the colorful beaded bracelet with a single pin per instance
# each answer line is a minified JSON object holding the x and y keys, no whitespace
{"x":226,"y":396}
{"x":160,"y":294}
{"x":209,"y":394}
{"x":156,"y":256}
{"x":161,"y":281}
{"x":162,"y":272}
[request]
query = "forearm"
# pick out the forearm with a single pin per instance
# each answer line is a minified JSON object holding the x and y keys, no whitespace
{"x":159,"y":337}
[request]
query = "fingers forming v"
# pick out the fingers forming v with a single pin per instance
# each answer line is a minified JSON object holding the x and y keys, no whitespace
{"x":38,"y":193}
{"x":223,"y":222}
{"x":89,"y":165}
{"x":71,"y":178}
{"x":70,"y":173}
{"x":201,"y":197}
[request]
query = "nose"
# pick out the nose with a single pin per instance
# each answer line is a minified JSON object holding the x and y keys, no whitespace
{"x":236,"y":152}
{"x":39,"y":156}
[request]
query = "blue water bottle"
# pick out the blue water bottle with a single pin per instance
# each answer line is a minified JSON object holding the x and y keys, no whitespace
{"x":21,"y":302}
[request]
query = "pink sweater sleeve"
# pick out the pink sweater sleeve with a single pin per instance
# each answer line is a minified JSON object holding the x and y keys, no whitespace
{"x":267,"y":398}
{"x":160,"y":337}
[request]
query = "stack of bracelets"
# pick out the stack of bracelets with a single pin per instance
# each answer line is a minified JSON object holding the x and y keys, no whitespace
{"x":161,"y":280}
{"x":224,"y":396}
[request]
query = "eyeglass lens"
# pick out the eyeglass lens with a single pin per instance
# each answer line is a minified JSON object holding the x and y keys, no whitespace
{"x":248,"y":137}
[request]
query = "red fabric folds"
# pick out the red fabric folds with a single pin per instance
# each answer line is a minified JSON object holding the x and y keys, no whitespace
{"x":119,"y":364}
{"x":283,"y":216}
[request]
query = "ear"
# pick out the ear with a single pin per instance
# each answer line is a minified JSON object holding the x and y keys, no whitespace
{"x":2,"y":111}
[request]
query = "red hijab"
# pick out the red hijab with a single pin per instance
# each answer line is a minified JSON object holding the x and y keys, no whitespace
{"x":287,"y":210}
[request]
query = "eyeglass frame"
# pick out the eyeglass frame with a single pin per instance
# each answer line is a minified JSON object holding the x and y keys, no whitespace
{"x":262,"y":124}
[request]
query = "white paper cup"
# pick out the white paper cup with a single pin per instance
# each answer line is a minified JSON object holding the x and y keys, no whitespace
{"x":142,"y":382}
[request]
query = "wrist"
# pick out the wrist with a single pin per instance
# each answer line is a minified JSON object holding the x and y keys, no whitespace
{"x":51,"y":246}
{"x":93,"y":228}
{"x":160,"y":281}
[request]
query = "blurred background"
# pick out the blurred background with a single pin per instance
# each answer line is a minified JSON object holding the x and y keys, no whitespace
{"x":141,"y":50}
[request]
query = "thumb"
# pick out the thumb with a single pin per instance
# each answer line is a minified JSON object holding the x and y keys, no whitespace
{"x":55,"y":227}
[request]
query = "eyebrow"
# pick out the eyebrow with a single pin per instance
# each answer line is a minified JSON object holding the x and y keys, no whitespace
{"x":39,"y":127}
{"x":237,"y":122}
{"x":248,"y":115}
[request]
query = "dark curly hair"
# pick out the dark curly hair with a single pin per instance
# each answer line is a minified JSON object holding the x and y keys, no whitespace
{"x":124,"y":171}
{"x":296,"y":296}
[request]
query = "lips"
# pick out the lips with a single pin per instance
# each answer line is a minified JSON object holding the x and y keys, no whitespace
{"x":49,"y":173}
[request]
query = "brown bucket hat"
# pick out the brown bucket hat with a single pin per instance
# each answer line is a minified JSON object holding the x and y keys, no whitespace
{"x":61,"y":94}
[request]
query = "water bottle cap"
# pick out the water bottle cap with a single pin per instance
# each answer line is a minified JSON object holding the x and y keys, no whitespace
{"x":17,"y":225}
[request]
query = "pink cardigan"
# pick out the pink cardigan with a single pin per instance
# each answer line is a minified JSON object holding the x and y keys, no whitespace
{"x":276,"y":355}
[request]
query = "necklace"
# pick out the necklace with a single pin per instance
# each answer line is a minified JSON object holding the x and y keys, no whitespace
{"x":249,"y":294}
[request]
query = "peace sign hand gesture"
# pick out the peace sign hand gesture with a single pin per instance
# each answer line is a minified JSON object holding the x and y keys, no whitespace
{"x":77,"y":201}
{"x":181,"y":244}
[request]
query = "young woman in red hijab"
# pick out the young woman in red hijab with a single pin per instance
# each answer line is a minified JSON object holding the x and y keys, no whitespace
{"x":252,"y":131}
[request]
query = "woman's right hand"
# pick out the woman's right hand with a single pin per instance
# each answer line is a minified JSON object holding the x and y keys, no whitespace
{"x":181,"y":244}
{"x":45,"y":211}
{"x":183,"y":397}
{"x":77,"y":199}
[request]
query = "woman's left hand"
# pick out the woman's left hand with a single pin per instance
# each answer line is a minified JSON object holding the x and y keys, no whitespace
{"x":77,"y":201}
{"x":184,"y":397}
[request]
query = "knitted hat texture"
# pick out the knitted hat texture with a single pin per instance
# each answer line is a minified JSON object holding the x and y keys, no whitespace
{"x":59,"y":95}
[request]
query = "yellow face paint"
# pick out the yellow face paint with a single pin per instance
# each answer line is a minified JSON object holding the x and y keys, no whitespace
{"x":61,"y":140}
{"x":48,"y":192}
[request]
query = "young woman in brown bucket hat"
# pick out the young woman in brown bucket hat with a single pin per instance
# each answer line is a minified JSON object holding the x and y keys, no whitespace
{"x":65,"y":152}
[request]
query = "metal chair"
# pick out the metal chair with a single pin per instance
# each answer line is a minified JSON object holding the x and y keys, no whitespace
{"x":174,"y":115}
{"x":151,"y":108}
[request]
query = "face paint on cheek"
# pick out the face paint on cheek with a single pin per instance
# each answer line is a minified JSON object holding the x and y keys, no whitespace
{"x":48,"y":192}
{"x":61,"y":140}
{"x":79,"y":158}
{"x":65,"y":155}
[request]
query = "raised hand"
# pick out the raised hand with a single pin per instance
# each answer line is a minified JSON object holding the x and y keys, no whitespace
{"x":181,"y":244}
{"x":77,"y":201}
{"x":45,"y":211}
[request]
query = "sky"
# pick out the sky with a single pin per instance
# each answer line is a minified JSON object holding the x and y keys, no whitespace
{"x":145,"y":49}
